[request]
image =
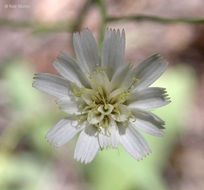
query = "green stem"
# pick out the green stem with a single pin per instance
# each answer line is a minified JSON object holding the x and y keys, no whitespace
{"x":37,"y":27}
{"x":140,"y":18}
{"x":103,"y":12}
{"x":82,"y":13}
{"x":61,"y":26}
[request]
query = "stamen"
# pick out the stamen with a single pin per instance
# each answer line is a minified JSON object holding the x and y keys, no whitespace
{"x":98,"y":127}
{"x":81,"y":118}
{"x":98,"y":101}
{"x":109,"y":133}
{"x":131,"y":116}
{"x":134,"y":80}
{"x":120,"y":98}
{"x":78,"y":92}
{"x":106,"y":124}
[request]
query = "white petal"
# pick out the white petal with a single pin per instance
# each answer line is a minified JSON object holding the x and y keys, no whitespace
{"x":120,"y":75}
{"x":145,"y":73}
{"x":87,"y":145}
{"x":95,"y":117}
{"x":87,"y":95}
{"x":148,"y":98}
{"x":87,"y":98}
{"x":123,"y":114}
{"x":52,"y":85}
{"x":70,"y":70}
{"x":115,"y":93}
{"x":86,"y":50}
{"x":150,"y":70}
{"x":148,"y":122}
{"x":63,"y":132}
{"x":100,"y":78}
{"x":68,"y":105}
{"x":110,"y":138}
{"x":113,"y":51}
{"x":106,"y":110}
{"x":133,"y":142}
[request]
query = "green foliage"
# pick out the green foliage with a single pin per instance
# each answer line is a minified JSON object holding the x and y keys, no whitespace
{"x":25,"y":152}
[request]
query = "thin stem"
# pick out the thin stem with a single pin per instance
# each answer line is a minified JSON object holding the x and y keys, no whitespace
{"x":81,"y":15}
{"x":59,"y":26}
{"x":103,"y":12}
{"x":37,"y":27}
{"x":161,"y":20}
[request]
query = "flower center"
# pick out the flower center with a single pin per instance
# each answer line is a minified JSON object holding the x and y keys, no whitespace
{"x":99,"y":105}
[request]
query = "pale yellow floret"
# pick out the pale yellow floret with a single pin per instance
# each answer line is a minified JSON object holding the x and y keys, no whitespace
{"x":102,"y":105}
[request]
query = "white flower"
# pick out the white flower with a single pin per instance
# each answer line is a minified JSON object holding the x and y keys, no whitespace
{"x":104,"y":98}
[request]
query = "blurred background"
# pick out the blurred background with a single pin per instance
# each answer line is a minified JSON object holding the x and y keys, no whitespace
{"x":33,"y":33}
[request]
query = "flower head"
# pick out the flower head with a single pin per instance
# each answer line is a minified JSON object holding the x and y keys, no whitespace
{"x":104,"y":98}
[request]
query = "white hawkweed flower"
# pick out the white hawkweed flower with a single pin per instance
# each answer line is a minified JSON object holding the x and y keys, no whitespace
{"x":104,"y":98}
